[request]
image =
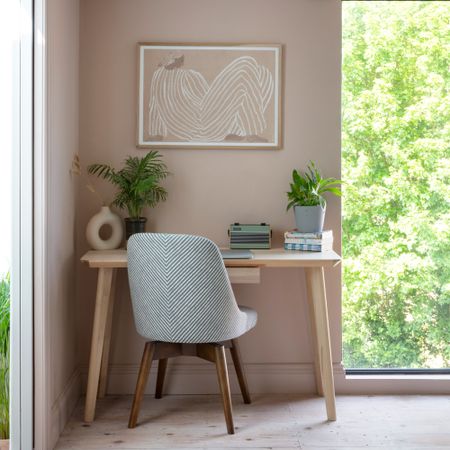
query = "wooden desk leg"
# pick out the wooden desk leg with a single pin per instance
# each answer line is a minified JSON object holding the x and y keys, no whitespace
{"x":315,"y":349}
{"x":316,"y":281}
{"x":102,"y":301}
{"x":107,"y":343}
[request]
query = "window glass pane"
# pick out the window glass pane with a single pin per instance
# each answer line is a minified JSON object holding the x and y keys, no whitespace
{"x":8,"y":34}
{"x":396,"y":169}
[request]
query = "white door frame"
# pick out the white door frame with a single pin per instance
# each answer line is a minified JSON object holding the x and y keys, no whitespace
{"x":42,"y":406}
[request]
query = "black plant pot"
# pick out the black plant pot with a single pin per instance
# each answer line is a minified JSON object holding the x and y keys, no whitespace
{"x":133,"y":226}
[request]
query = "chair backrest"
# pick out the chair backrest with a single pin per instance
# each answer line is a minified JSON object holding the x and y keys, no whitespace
{"x":180,"y":290}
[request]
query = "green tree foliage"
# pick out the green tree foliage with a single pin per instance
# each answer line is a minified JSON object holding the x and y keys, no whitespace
{"x":396,"y":170}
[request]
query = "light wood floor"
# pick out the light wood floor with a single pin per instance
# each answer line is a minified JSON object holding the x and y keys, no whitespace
{"x":270,"y":422}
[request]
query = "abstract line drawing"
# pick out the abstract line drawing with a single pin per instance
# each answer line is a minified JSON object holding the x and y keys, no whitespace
{"x":190,"y":97}
{"x":232,"y":107}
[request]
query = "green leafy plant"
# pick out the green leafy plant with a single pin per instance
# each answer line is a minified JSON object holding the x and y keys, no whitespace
{"x":4,"y":357}
{"x":137,"y":183}
{"x":308,"y":188}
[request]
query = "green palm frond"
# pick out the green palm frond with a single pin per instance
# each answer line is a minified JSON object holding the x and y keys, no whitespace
{"x":137,"y":182}
{"x":102,"y":170}
{"x":308,"y":188}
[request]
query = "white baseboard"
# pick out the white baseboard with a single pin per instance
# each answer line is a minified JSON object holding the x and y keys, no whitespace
{"x":64,"y":405}
{"x":201,"y":378}
{"x":264,"y":378}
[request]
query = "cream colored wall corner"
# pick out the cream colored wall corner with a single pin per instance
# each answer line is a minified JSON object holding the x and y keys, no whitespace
{"x":210,"y":189}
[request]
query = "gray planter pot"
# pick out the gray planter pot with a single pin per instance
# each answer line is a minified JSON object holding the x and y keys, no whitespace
{"x":309,"y":219}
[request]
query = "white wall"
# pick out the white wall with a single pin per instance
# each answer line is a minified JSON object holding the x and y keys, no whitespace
{"x":210,"y":189}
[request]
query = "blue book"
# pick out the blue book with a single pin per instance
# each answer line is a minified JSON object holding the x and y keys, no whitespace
{"x":307,"y":247}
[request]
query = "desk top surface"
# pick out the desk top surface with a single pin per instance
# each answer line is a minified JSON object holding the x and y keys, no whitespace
{"x":275,"y":257}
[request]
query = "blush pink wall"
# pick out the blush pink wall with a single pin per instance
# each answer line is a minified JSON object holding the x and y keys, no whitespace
{"x":59,"y":340}
{"x":210,"y":189}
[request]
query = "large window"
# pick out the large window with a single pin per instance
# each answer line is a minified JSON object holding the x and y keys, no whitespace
{"x":396,"y":169}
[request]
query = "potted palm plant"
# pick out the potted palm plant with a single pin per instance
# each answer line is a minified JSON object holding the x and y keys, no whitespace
{"x":4,"y":362}
{"x":307,"y":198}
{"x":138,"y":186}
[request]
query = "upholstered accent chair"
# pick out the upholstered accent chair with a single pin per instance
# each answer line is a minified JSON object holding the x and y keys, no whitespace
{"x":183,"y":304}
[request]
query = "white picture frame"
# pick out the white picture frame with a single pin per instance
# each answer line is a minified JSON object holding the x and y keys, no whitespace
{"x":225,"y":96}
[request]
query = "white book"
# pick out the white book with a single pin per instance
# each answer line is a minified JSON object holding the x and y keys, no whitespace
{"x":308,"y":241}
{"x":326,"y":234}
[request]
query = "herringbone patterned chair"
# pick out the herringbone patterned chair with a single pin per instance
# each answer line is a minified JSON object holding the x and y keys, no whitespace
{"x":183,"y":304}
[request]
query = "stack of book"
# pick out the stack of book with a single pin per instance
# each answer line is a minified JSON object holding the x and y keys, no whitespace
{"x":311,"y":242}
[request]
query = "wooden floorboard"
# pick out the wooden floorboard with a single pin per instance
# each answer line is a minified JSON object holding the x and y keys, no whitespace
{"x":277,"y":422}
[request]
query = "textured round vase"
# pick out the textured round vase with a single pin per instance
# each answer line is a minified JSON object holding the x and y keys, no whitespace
{"x":309,"y":219}
{"x":104,"y":217}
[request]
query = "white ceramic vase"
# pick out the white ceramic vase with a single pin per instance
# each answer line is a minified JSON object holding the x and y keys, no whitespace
{"x":104,"y":217}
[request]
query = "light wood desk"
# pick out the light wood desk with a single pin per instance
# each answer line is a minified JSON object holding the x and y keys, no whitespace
{"x":240,"y":271}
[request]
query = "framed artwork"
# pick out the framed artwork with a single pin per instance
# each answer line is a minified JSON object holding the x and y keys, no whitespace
{"x":209,"y":96}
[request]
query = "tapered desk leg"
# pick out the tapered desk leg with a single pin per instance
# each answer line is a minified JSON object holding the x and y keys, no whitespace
{"x":316,"y":280}
{"x":107,"y":343}
{"x":102,"y":303}
{"x":315,"y":349}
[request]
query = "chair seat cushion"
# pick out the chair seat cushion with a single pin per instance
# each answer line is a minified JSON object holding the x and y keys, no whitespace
{"x":252,"y":316}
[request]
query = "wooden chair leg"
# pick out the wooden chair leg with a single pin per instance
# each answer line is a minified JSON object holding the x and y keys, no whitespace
{"x":224,"y":383}
{"x":237,"y":361}
{"x":162,"y":366}
{"x":141,"y":383}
